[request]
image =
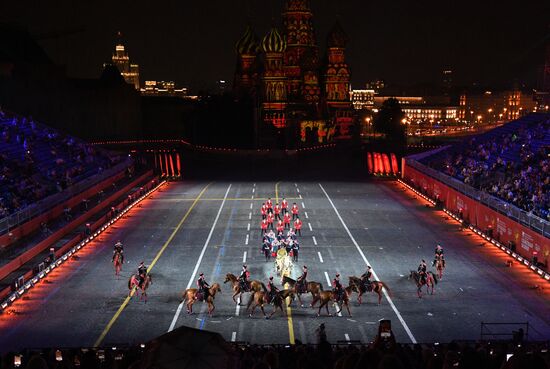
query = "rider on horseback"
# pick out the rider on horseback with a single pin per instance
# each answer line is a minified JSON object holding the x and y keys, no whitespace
{"x":118,"y":248}
{"x":301,"y":281}
{"x":271,"y":289}
{"x":142,"y":273}
{"x":337,"y":288}
{"x":243,"y":279}
{"x":365,"y":278}
{"x":203,"y":287}
{"x":439,"y":255}
{"x":422,"y":271}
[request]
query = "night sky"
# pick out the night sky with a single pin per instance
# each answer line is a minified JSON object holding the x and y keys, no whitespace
{"x":192,"y":42}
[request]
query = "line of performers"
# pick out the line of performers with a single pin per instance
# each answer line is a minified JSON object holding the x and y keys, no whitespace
{"x":423,"y":268}
{"x":279,"y":217}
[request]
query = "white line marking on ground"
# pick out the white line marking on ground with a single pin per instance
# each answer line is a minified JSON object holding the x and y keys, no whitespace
{"x":301,"y":197}
{"x":297,"y":190}
{"x":253,"y":190}
{"x":248,"y":227}
{"x":303,"y":205}
{"x":252,"y":197}
{"x":192,"y":279}
{"x":314,"y":240}
{"x":310,"y":229}
{"x":328,"y":280}
{"x":305,"y":213}
{"x":295,"y":184}
{"x":320,"y":257}
{"x":347,"y":337}
{"x":251,"y":204}
{"x":246,"y":241}
{"x":244,"y":256}
{"x":238,"y":307}
{"x":250,"y":215}
{"x":405,"y":326}
{"x":233,"y":336}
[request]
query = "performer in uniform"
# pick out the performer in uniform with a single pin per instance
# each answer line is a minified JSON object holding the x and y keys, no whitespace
{"x":263,"y":210}
{"x":365,"y":278}
{"x":243,"y":279}
{"x":337,"y":287}
{"x":422,"y":271}
{"x":120,"y":249}
{"x":301,"y":281}
{"x":203,"y":287}
{"x":266,"y":248}
{"x":284,"y":206}
{"x":271,"y":290}
{"x":142,"y":273}
{"x":270,"y":219}
{"x":269,"y":204}
{"x":286,"y":220}
{"x":439,"y":254}
{"x":294,"y":211}
{"x":277,"y":211}
{"x":298,"y":226}
{"x":295,"y":249}
{"x":280,"y":227}
{"x":264,"y":225}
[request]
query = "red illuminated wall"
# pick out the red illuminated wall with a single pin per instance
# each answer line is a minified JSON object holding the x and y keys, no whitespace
{"x":481,"y":216}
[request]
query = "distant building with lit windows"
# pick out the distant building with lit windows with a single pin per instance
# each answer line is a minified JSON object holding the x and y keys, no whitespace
{"x":494,"y":106}
{"x":128,"y":70}
{"x":163,"y":88}
{"x":362,"y":99}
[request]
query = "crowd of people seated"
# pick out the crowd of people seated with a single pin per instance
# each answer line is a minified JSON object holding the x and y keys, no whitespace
{"x":511,"y":164}
{"x":322,"y":356}
{"x":38,"y":161}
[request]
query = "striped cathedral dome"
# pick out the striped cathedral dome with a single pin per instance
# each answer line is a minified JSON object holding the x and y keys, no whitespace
{"x":248,"y":43}
{"x":273,"y":42}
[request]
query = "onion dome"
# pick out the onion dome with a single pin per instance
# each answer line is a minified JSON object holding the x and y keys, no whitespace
{"x":296,"y":5}
{"x":273,"y":42}
{"x":248,"y":43}
{"x":337,"y":37}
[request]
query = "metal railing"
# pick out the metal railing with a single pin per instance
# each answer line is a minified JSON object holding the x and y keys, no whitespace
{"x":521,"y":216}
{"x":16,"y":219}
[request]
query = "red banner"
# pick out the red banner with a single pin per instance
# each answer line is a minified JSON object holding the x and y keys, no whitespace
{"x":166,"y":165}
{"x":395,"y":168}
{"x":386,"y":160}
{"x":369,"y":162}
{"x":178,"y":164}
{"x":160,"y":164}
{"x":504,"y":229}
{"x":172,"y":164}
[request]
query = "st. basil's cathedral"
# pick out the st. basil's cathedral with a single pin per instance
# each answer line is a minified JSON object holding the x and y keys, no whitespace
{"x":300,"y":98}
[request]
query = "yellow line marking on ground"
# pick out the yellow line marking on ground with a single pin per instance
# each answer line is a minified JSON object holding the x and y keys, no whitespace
{"x":127,"y":299}
{"x":288,"y":308}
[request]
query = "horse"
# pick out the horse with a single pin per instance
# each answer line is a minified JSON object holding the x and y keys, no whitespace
{"x":431,"y":281}
{"x":377,"y":287}
{"x":117,"y":262}
{"x":134,"y":283}
{"x":439,"y":266}
{"x":324,"y":297}
{"x":255,"y":286}
{"x":311,"y":287}
{"x":260,"y":299}
{"x":190,"y":294}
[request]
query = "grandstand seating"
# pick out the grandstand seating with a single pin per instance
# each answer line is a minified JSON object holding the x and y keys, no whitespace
{"x":487,"y":355}
{"x":37,"y":161}
{"x":511,"y":162}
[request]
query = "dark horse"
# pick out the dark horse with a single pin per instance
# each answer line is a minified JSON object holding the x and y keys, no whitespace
{"x":324,"y":297}
{"x":430,"y":282}
{"x":310,"y":287}
{"x":377,"y":287}
{"x":260,"y":299}
{"x":134,"y":283}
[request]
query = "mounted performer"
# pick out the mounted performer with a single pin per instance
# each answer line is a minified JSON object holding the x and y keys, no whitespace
{"x":438,"y":254}
{"x":337,"y":288}
{"x":272,"y":290}
{"x":142,"y":273}
{"x":119,"y":248}
{"x":301,"y":282}
{"x":365,"y":279}
{"x":243,"y":279}
{"x":203,"y":288}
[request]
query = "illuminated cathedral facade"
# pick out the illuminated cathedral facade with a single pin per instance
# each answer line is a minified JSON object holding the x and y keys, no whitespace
{"x":301,"y":99}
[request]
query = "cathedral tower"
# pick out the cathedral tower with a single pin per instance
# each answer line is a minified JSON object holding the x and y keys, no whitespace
{"x":274,"y":81}
{"x":246,"y":73}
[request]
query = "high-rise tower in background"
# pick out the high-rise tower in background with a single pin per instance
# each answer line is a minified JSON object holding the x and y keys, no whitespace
{"x":120,"y":58}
